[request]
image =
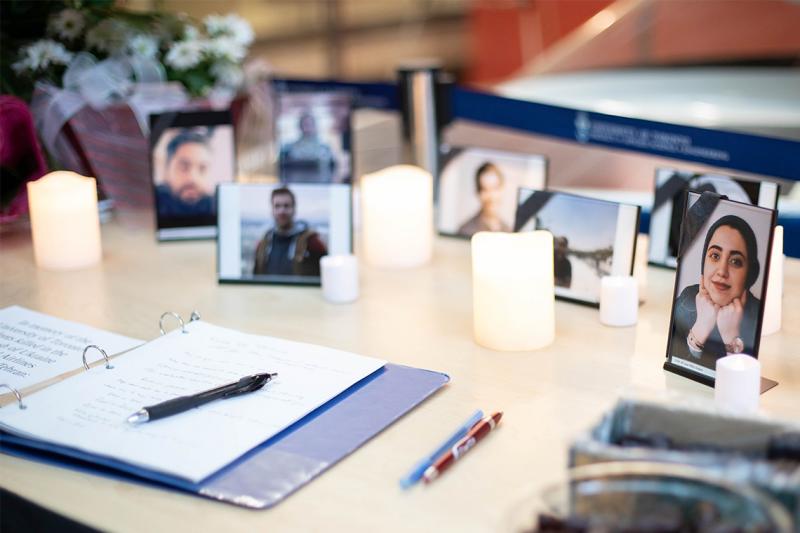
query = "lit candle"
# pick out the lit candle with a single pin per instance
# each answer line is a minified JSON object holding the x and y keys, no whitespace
{"x":339,"y":275}
{"x":397,"y":216}
{"x":773,"y":302}
{"x":738,"y":383}
{"x":513,"y":297}
{"x":64,"y":221}
{"x":619,"y":300}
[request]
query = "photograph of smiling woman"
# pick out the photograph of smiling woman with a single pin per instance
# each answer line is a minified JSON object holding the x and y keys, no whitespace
{"x":720,"y":312}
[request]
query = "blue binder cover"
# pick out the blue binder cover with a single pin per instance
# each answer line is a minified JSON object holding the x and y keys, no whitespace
{"x":278,"y":467}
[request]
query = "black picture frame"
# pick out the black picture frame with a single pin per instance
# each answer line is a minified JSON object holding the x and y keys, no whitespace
{"x":669,"y":186}
{"x":459,"y":165}
{"x":613,"y":226}
{"x":177,"y":219}
{"x":327,"y":155}
{"x":698,"y":229}
{"x":243,"y":227}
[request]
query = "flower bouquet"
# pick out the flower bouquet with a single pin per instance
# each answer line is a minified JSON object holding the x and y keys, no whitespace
{"x":100,"y":71}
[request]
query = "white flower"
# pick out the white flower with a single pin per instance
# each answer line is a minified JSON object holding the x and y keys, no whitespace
{"x":184,"y":55}
{"x":41,"y":55}
{"x":226,"y":48}
{"x":108,"y":36}
{"x":227,"y":74}
{"x":190,"y":33}
{"x":215,"y":25}
{"x":143,"y":46}
{"x":67,"y":24}
{"x":232,"y":26}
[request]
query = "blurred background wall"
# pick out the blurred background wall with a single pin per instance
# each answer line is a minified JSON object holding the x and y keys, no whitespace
{"x":486,"y":41}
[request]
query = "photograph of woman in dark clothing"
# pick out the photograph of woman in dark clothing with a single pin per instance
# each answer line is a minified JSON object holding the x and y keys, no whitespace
{"x":719,"y":315}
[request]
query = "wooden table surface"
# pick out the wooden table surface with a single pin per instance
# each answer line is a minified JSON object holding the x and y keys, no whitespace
{"x":420,"y":317}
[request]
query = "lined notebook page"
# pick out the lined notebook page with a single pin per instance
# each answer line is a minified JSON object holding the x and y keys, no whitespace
{"x":89,"y":411}
{"x":35,"y":347}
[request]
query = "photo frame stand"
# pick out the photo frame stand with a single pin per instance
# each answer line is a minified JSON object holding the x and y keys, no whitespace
{"x":766,"y":383}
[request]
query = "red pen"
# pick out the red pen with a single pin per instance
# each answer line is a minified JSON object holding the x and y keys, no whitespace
{"x":475,"y":435}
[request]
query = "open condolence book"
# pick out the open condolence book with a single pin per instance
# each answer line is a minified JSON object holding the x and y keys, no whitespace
{"x":84,"y":416}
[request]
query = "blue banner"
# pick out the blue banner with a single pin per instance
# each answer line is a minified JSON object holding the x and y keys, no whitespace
{"x":374,"y":95}
{"x":740,"y":151}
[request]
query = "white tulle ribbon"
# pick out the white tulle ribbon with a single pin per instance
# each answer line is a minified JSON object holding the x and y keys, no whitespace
{"x":137,"y":81}
{"x":52,"y":108}
{"x":100,"y":83}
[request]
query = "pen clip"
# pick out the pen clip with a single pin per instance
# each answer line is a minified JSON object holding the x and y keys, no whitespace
{"x":250,"y":384}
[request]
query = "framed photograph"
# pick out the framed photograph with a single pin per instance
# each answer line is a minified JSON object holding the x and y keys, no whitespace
{"x":478,"y":188}
{"x":600,"y":241}
{"x":721,"y":280}
{"x":190,"y":154}
{"x":670,"y":184}
{"x":314,"y":135}
{"x":277,"y":233}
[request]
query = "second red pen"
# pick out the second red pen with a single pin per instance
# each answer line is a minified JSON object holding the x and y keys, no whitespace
{"x":477,"y":433}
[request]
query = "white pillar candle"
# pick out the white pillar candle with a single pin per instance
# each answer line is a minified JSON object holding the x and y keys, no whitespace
{"x":339,"y":275}
{"x":65,"y":224}
{"x":619,"y":300}
{"x":397,"y":216}
{"x":640,"y":265}
{"x":773,"y":302}
{"x":513,"y":297}
{"x":738,"y":383}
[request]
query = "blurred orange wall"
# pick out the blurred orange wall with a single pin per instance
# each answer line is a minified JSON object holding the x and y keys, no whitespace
{"x":506,"y":34}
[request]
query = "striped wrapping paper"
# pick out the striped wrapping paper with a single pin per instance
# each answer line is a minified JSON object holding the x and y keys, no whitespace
{"x":116,"y":151}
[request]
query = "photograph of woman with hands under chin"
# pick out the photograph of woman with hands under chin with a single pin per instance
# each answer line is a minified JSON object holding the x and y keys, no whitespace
{"x":720,"y":314}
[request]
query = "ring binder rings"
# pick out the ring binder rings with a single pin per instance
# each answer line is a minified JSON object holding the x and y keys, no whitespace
{"x":279,"y":466}
{"x":39,"y":350}
{"x":16,"y":394}
{"x":109,"y":366}
{"x":194,"y":316}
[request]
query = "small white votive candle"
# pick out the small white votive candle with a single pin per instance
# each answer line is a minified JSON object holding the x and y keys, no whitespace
{"x":339,"y":275}
{"x":65,"y":224}
{"x":773,"y":302}
{"x":738,"y":383}
{"x":619,"y":300}
{"x":397,"y":216}
{"x":513,"y":296}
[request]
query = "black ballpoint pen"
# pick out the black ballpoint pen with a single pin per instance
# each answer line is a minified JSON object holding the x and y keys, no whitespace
{"x":184,"y":403}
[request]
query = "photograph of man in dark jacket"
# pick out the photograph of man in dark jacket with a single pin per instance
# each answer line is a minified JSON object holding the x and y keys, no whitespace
{"x":290,"y":248}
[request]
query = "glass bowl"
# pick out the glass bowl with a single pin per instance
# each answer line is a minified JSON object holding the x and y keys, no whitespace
{"x":643,"y":497}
